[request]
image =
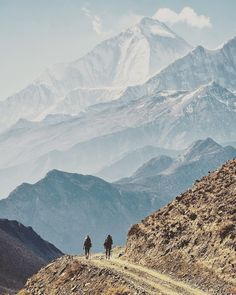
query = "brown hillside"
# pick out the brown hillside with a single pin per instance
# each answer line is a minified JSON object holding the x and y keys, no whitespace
{"x":194,"y":237}
{"x":97,"y":276}
{"x":73,"y":275}
{"x":22,"y":253}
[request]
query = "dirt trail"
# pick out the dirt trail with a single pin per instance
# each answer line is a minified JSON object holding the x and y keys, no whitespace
{"x":146,"y":280}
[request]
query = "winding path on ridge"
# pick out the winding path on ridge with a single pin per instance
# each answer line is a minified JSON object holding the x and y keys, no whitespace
{"x":146,"y":280}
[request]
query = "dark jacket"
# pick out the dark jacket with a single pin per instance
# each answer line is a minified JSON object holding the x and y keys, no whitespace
{"x":87,"y":243}
{"x":108,"y":242}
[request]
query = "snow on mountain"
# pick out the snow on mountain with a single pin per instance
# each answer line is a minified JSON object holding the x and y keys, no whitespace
{"x":79,"y":99}
{"x":101,"y":75}
{"x":24,"y":144}
{"x":199,"y":67}
{"x":27,"y":103}
{"x":126,"y":59}
{"x":177,"y":118}
{"x":47,"y":121}
{"x":98,"y":138}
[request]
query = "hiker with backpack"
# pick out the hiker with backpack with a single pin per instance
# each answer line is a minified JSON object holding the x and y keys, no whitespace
{"x":87,"y":246}
{"x":108,"y":246}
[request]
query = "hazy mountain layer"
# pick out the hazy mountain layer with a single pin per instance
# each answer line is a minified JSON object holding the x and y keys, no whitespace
{"x":131,"y":161}
{"x":64,"y":207}
{"x":169,"y":177}
{"x":87,"y":144}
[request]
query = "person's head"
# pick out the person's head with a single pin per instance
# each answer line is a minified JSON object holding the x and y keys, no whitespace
{"x":87,"y":237}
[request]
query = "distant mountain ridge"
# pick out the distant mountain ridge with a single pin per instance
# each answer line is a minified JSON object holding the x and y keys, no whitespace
{"x":131,"y":161}
{"x":22,"y":253}
{"x":169,"y":177}
{"x":65,"y":207}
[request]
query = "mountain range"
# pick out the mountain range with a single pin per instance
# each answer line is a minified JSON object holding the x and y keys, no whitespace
{"x":169,"y":177}
{"x":200,"y":66}
{"x":129,"y":162}
{"x":64,"y":207}
{"x":148,"y":51}
{"x":86,"y":115}
{"x":101,"y":75}
{"x":22,"y":253}
{"x":87,"y":144}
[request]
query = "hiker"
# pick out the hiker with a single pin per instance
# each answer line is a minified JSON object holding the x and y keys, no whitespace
{"x":108,"y":245}
{"x":87,"y":246}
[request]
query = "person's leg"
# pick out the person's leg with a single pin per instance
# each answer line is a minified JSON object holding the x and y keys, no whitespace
{"x":109,"y":253}
{"x":106,"y":253}
{"x":86,"y":253}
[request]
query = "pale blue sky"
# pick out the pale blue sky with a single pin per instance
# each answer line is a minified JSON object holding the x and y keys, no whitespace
{"x":37,"y":33}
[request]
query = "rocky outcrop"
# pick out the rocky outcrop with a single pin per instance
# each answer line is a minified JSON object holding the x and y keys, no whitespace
{"x":194,"y":237}
{"x":22,"y":253}
{"x":69,"y":275}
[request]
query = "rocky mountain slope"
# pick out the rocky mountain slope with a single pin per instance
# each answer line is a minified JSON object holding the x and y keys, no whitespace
{"x":65,"y":207}
{"x":101,"y":75}
{"x":22,"y":253}
{"x":75,"y":275}
{"x":193,"y":237}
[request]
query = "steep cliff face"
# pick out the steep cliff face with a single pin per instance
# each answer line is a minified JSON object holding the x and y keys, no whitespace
{"x":194,"y":237}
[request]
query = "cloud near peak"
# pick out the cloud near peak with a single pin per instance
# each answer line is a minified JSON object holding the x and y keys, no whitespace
{"x":186,"y":15}
{"x":95,"y":21}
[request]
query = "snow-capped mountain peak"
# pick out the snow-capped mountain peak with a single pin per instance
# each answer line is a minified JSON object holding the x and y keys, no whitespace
{"x":152,"y":27}
{"x":129,"y":58}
